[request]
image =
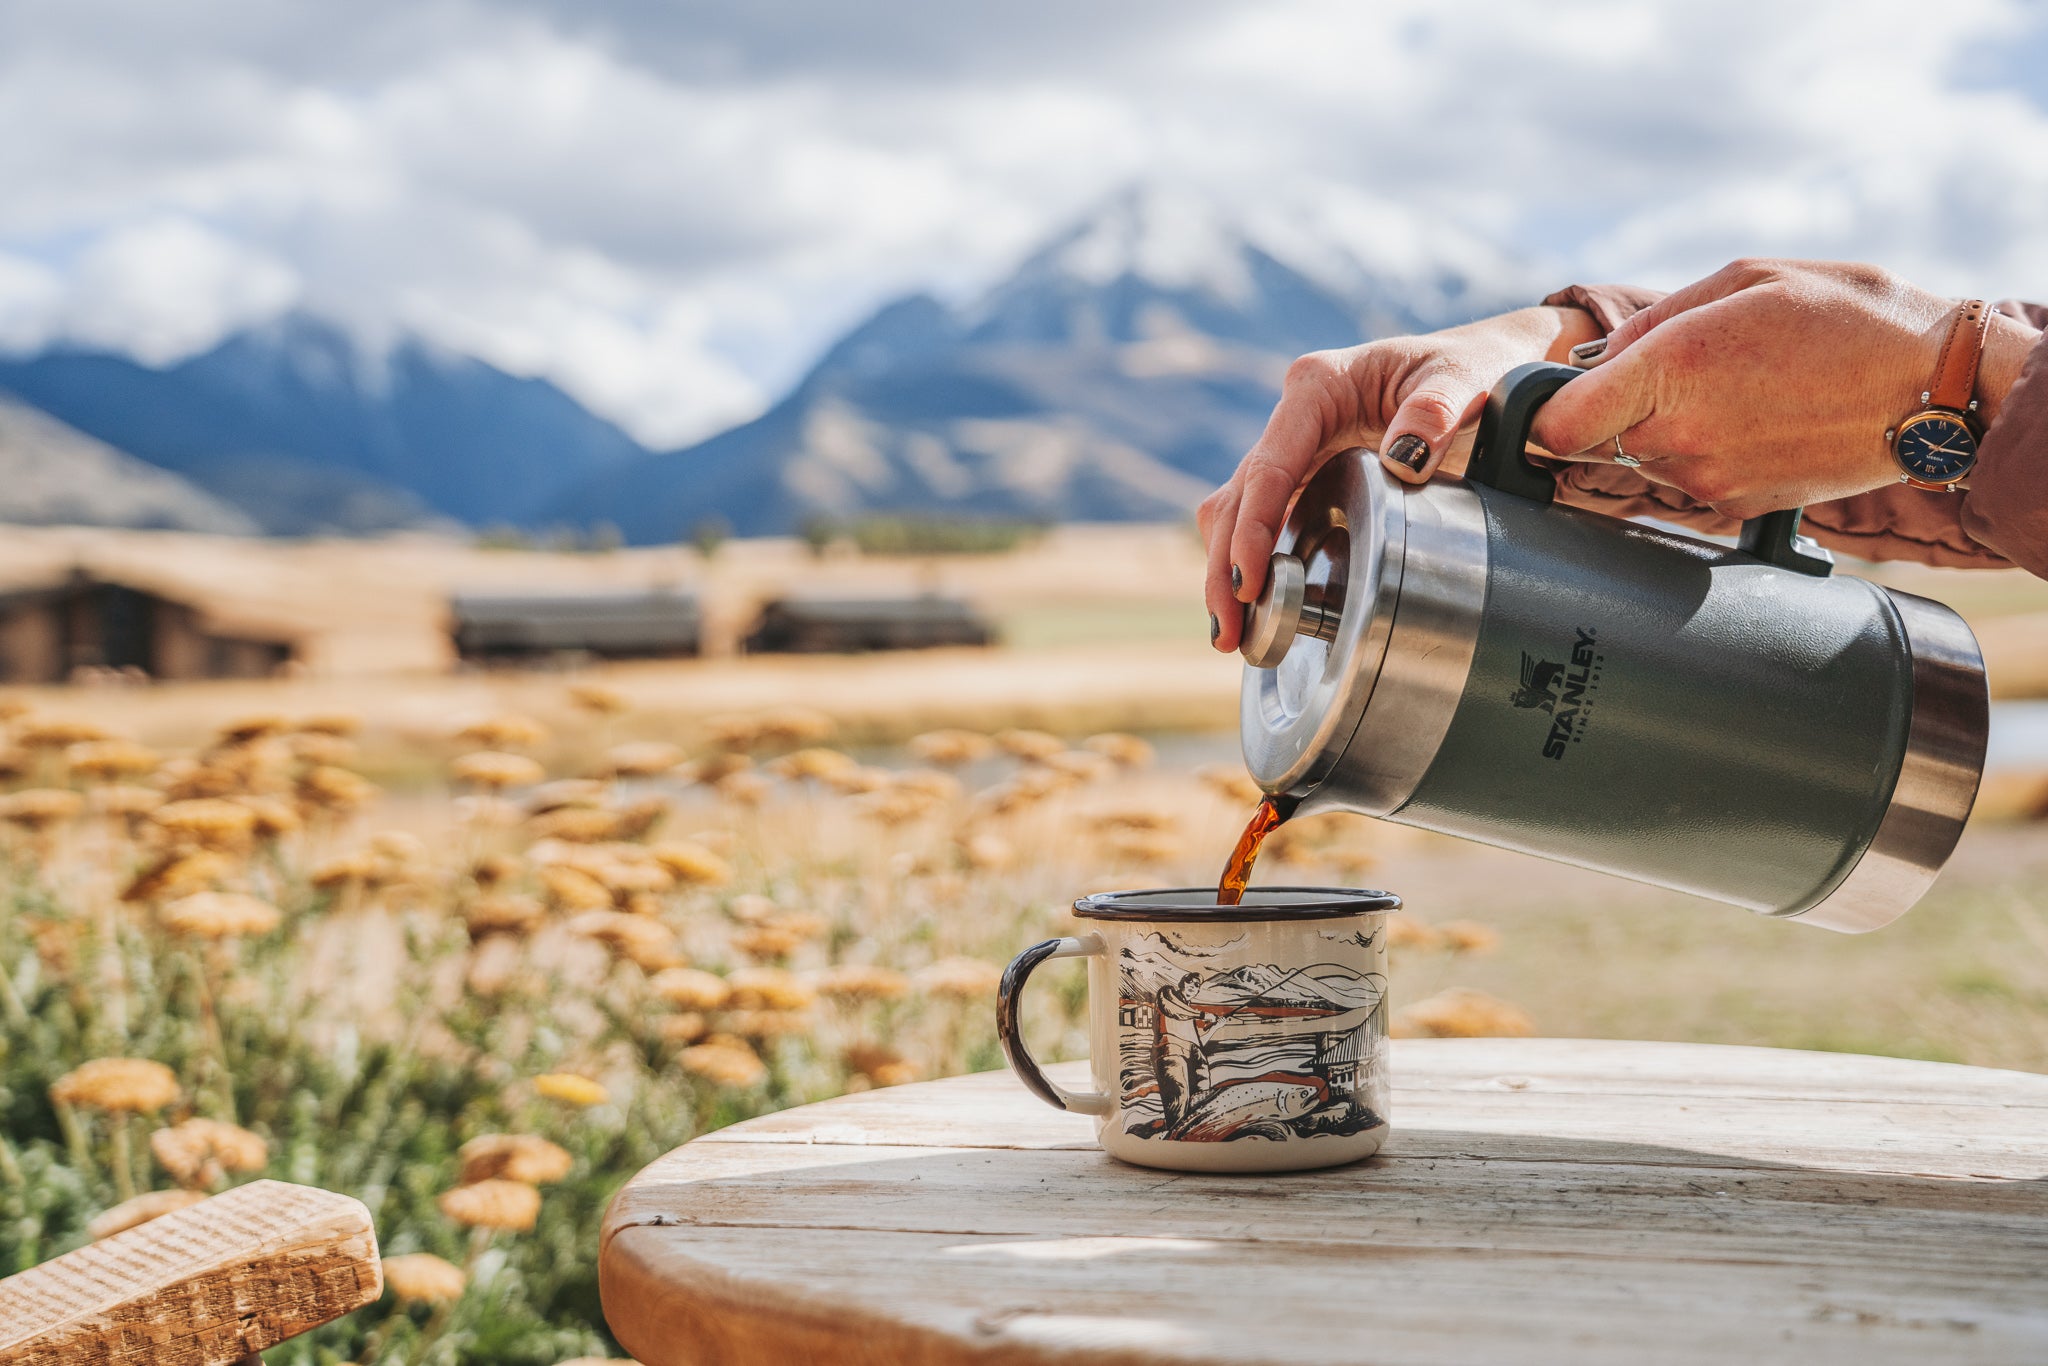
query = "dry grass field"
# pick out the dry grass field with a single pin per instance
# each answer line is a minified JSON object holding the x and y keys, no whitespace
{"x":473,"y":947}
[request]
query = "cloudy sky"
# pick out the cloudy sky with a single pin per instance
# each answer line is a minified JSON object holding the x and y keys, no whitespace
{"x":667,"y":206}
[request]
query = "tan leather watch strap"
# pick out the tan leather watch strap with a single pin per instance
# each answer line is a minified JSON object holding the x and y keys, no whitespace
{"x":1955,"y":374}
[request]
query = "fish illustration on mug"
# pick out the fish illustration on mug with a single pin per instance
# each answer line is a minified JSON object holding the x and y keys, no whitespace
{"x":1255,"y":1050}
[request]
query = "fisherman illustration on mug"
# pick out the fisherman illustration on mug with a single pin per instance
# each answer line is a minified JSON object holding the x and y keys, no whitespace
{"x":1178,"y":1060}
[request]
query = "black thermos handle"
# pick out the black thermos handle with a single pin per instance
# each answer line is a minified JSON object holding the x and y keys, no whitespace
{"x":1500,"y":461}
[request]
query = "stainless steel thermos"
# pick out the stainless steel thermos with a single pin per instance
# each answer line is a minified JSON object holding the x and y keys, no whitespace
{"x":1738,"y":723}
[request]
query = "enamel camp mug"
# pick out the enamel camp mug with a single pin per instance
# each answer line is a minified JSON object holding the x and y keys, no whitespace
{"x":1737,"y":722}
{"x":1243,"y":1038}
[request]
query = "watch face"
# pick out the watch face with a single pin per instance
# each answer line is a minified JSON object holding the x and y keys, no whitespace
{"x":1935,"y":447}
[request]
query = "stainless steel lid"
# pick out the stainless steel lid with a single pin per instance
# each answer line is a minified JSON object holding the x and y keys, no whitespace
{"x":1315,"y":640}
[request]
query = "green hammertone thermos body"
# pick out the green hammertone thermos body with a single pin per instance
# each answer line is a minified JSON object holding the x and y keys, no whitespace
{"x":1738,"y":723}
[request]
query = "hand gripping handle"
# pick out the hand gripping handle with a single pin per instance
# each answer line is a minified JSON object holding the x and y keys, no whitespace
{"x":1500,"y":461}
{"x":1012,"y":1035}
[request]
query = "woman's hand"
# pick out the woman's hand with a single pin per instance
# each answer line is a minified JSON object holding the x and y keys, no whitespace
{"x":1769,"y":384}
{"x":1412,"y":398}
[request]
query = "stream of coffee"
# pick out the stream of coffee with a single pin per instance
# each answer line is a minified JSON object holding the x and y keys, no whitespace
{"x":1237,"y":874}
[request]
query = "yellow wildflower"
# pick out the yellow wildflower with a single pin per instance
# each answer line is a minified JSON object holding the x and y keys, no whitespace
{"x":332,"y":788}
{"x":719,"y":767}
{"x":1230,"y":782}
{"x":928,"y":782}
{"x":895,"y":806}
{"x":564,"y":792}
{"x":691,"y":988}
{"x":108,"y":760}
{"x":1126,"y":751}
{"x":725,"y":1063}
{"x":951,"y":747}
{"x":766,"y":941}
{"x":574,"y":890}
{"x":496,"y":770}
{"x":1469,"y":936}
{"x":988,"y":852}
{"x":509,"y":1206}
{"x":1033,"y":746}
{"x":199,"y":1152}
{"x":343,"y":868}
{"x":55,"y":733}
{"x":176,"y":873}
{"x":642,"y":940}
{"x":132,"y":1085}
{"x":820,"y":764}
{"x":423,"y":1278}
{"x":318,"y":747}
{"x":793,"y":726}
{"x":596,"y":697}
{"x":571,"y":1089}
{"x":514,"y":1157}
{"x":688,"y":1027}
{"x":242,"y":730}
{"x":507,"y":730}
{"x":878,"y":1065}
{"x":274,"y":818}
{"x":124,"y":801}
{"x":692,"y":864}
{"x":1462,"y":1013}
{"x":503,"y":914}
{"x":763,"y":988}
{"x":641,"y":759}
{"x":1405,"y":932}
{"x":209,"y":822}
{"x":960,"y":978}
{"x":860,"y":982}
{"x":218,"y":915}
{"x":39,"y":808}
{"x":744,"y":789}
{"x":582,"y":824}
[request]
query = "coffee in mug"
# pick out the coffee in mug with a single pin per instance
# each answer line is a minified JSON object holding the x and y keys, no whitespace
{"x":1226,"y":1038}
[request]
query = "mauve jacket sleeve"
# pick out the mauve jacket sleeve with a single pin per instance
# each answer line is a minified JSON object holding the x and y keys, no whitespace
{"x":2002,"y":520}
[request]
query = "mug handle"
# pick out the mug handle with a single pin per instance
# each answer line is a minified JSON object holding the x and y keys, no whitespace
{"x":1012,"y":1035}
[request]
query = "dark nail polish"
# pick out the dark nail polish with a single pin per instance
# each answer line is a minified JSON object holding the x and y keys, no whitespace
{"x":1215,"y":628}
{"x":1410,"y":450}
{"x":1236,"y":579}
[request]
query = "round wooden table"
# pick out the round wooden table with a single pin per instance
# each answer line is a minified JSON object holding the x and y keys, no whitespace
{"x":1541,"y":1200}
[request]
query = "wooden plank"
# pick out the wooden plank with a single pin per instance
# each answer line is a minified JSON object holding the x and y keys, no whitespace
{"x":752,"y":1297}
{"x":1668,"y":1212}
{"x":1423,"y":1069}
{"x":209,"y":1284}
{"x":1608,"y":1066}
{"x":1540,"y":1201}
{"x":1973,"y":1139}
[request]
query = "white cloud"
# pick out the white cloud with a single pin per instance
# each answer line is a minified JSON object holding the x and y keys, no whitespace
{"x":668,"y":209}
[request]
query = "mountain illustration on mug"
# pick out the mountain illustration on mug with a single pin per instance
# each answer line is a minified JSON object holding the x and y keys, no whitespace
{"x":1251,"y":1051}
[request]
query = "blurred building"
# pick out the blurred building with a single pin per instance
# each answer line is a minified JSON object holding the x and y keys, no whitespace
{"x":820,"y":625}
{"x":85,"y":624}
{"x":528,"y":627}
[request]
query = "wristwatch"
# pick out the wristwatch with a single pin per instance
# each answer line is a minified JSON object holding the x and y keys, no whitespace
{"x":1937,"y":447}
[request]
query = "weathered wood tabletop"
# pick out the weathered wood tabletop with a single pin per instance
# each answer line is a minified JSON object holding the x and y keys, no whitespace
{"x":1539,"y":1201}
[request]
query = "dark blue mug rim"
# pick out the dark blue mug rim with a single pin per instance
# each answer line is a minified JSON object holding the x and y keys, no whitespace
{"x":1260,"y":905}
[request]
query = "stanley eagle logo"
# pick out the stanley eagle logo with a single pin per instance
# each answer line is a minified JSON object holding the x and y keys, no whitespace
{"x":1565,"y":691}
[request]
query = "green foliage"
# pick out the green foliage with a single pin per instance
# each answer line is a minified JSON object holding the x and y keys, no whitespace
{"x":377,"y":1117}
{"x":921,"y":535}
{"x":709,"y":536}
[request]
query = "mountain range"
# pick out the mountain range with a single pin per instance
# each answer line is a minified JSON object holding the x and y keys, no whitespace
{"x":1118,"y":374}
